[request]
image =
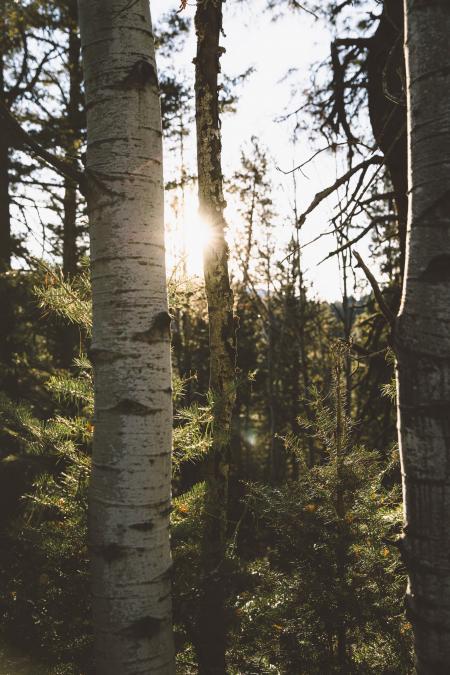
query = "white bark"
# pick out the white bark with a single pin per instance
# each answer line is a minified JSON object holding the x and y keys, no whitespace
{"x":130,"y":489}
{"x":423,"y":335}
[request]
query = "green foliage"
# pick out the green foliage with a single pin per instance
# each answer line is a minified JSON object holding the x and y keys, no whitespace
{"x":49,"y":569}
{"x":327,"y":587}
{"x":70,"y":300}
{"x":46,"y":567}
{"x":310,"y":559}
{"x":46,"y":585}
{"x":192,"y":438}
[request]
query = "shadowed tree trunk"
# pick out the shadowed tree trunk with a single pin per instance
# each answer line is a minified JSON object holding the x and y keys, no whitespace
{"x":73,"y":119}
{"x":211,"y":639}
{"x":7,"y":379}
{"x":423,"y":336}
{"x":387,"y":110}
{"x":5,"y":219}
{"x":69,"y":334}
{"x":130,"y":488}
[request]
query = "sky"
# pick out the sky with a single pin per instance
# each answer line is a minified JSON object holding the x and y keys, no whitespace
{"x":295,"y":40}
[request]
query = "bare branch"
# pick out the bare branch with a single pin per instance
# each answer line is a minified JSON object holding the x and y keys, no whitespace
{"x":385,"y":310}
{"x":360,"y":235}
{"x":320,"y":196}
{"x":21,"y":138}
{"x":331,"y":146}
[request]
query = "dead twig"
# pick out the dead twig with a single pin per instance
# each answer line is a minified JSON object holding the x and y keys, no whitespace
{"x":385,"y":310}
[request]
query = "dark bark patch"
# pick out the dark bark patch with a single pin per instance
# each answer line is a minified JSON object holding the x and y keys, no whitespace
{"x":142,"y":527}
{"x":438,"y":270}
{"x":102,"y":355}
{"x":129,"y":407}
{"x":111,"y":552}
{"x":141,"y":74}
{"x":159,"y":330}
{"x":147,"y":627}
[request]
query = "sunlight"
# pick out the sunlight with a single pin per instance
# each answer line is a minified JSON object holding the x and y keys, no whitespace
{"x":187,"y":236}
{"x":197,"y":235}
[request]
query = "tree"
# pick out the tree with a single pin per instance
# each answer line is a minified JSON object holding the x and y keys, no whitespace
{"x":72,"y":132}
{"x":422,"y":336}
{"x":72,"y":135}
{"x":211,"y":640}
{"x":130,"y":487}
{"x":326,"y":587}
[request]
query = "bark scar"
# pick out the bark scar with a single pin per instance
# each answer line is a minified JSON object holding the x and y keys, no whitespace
{"x":148,"y":626}
{"x":128,"y":407}
{"x":141,"y":74}
{"x":438,"y":270}
{"x":102,"y":355}
{"x":143,"y":527}
{"x":159,"y":329}
{"x":111,"y":552}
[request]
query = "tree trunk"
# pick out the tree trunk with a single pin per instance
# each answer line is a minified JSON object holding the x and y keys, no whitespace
{"x":8,"y":380}
{"x":5,"y":221}
{"x":69,"y":333}
{"x":130,"y":488}
{"x":72,"y":142}
{"x":423,"y":336}
{"x":385,"y":70}
{"x":211,"y":643}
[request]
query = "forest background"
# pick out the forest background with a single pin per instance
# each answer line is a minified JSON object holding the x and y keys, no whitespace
{"x":311,"y":573}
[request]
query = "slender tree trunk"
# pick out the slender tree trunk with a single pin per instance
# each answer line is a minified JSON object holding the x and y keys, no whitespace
{"x":8,"y":379}
{"x":385,"y":70}
{"x":5,"y":220}
{"x":130,"y":488}
{"x":211,"y":642}
{"x":347,"y":321}
{"x":340,"y":380}
{"x":70,"y":252}
{"x":302,"y":365}
{"x":423,"y":336}
{"x":69,"y":333}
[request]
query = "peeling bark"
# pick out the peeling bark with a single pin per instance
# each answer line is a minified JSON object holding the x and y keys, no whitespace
{"x":423,"y":336}
{"x":211,"y":640}
{"x":130,"y":488}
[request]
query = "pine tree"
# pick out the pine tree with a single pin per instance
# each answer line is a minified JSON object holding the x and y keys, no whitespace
{"x":327,"y":584}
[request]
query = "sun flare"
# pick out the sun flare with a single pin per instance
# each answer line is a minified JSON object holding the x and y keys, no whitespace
{"x":188,"y":237}
{"x":197,"y":237}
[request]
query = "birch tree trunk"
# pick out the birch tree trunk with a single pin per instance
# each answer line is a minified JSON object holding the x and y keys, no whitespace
{"x":423,"y":336}
{"x":211,"y":642}
{"x":130,"y":489}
